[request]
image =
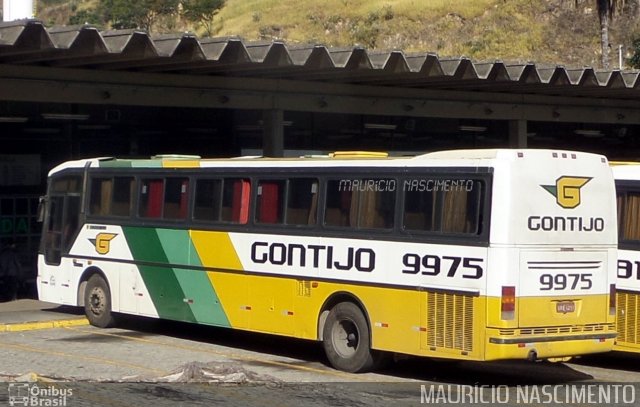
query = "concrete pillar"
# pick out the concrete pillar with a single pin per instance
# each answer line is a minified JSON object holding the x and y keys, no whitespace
{"x":518,"y":133}
{"x":273,"y":133}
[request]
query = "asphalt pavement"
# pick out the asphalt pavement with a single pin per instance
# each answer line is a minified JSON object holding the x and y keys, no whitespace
{"x":147,"y":362}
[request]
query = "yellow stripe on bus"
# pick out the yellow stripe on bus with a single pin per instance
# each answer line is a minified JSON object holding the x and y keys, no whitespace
{"x":216,"y":250}
{"x":181,"y":163}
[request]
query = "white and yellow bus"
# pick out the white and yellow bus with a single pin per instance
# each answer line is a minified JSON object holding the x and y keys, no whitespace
{"x":627,"y":178}
{"x":471,"y":254}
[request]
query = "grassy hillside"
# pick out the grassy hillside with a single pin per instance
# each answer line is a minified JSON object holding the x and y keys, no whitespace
{"x":480,"y":29}
{"x":544,"y":31}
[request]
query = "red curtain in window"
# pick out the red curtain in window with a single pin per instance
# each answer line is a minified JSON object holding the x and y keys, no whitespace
{"x":268,"y":211}
{"x":154,"y":204}
{"x":240,"y":205}
{"x":184,"y":199}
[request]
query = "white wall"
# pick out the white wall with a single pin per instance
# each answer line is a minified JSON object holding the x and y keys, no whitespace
{"x":17,"y":9}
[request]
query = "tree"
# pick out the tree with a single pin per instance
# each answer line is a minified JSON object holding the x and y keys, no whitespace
{"x":86,"y":17}
{"x":605,"y":13}
{"x":141,"y":14}
{"x":202,"y":12}
{"x":634,"y":61}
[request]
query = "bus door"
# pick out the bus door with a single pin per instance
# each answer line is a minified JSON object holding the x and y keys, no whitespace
{"x":62,"y":222}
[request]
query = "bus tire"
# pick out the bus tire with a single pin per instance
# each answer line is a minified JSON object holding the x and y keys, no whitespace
{"x":346,"y":339}
{"x":97,"y":302}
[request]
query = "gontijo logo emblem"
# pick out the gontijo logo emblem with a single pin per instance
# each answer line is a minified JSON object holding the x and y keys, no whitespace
{"x":567,"y":190}
{"x":102,"y":242}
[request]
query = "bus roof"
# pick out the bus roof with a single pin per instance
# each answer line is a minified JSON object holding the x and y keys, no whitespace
{"x":625,"y":170}
{"x":461,"y":158}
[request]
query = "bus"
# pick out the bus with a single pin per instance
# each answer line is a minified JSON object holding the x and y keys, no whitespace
{"x":627,"y":179}
{"x":477,"y":255}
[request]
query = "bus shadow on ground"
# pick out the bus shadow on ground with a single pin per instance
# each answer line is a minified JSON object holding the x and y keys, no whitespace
{"x":233,"y":338}
{"x":626,"y":361}
{"x":414,"y":368}
{"x":511,"y":372}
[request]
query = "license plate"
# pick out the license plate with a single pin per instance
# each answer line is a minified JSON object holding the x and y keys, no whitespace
{"x":564,"y":307}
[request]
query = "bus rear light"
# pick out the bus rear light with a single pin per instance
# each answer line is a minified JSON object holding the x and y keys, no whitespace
{"x":612,"y":299}
{"x":508,"y":302}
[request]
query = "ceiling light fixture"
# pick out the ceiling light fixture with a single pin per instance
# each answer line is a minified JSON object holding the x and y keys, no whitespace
{"x":473,"y":128}
{"x":12,"y":119}
{"x":65,"y":116}
{"x":379,"y":126}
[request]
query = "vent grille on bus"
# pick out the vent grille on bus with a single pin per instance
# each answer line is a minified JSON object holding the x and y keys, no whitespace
{"x":450,"y":321}
{"x":628,"y":329}
{"x":559,"y":330}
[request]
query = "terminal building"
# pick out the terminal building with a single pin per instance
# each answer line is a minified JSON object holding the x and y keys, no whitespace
{"x":78,"y":92}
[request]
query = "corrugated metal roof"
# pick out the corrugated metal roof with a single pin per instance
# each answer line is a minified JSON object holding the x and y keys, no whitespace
{"x":29,"y":42}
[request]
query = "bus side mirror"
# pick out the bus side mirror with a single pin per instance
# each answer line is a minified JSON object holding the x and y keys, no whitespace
{"x":42,"y":202}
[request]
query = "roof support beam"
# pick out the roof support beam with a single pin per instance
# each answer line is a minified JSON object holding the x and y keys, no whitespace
{"x":37,"y":84}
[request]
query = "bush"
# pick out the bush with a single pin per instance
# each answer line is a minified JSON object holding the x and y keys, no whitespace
{"x":634,"y":61}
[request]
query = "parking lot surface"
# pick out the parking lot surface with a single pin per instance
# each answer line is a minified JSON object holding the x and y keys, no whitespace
{"x":50,"y":351}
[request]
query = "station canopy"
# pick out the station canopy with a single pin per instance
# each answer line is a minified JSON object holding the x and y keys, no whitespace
{"x":29,"y":42}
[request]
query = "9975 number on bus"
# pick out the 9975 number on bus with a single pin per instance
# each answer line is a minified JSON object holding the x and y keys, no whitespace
{"x":571,"y":281}
{"x":432,"y":265}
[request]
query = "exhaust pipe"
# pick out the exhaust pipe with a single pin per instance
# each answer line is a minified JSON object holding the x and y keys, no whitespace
{"x":532,"y":356}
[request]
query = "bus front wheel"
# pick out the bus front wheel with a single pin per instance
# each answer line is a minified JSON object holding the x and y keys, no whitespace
{"x":97,"y":302}
{"x":346,"y":339}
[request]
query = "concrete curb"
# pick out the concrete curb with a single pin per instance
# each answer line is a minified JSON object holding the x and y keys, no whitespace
{"x":31,"y":326}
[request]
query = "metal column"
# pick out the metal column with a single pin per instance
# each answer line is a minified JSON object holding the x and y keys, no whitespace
{"x":273,"y":133}
{"x":518,"y":133}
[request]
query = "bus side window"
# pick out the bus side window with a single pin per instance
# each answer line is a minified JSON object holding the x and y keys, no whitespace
{"x":151,"y":194}
{"x":123,"y":190}
{"x":374,"y":209}
{"x":302,"y":201}
{"x":270,"y":202}
{"x":337,"y":205}
{"x":454,"y":210}
{"x":236,"y":193}
{"x":419,"y":210}
{"x":628,"y":208}
{"x":208,"y":199}
{"x":360,"y":203}
{"x":100,"y":196}
{"x":176,"y":196}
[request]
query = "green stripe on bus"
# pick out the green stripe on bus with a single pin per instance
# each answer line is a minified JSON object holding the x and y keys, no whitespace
{"x":204,"y":301}
{"x":161,"y":282}
{"x":114,"y":164}
{"x":130,"y":163}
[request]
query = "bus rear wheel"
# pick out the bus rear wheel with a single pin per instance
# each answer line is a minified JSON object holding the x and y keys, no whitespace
{"x":346,"y":339}
{"x":97,"y":302}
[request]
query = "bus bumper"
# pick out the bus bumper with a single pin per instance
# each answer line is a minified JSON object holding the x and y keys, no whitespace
{"x":534,"y":347}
